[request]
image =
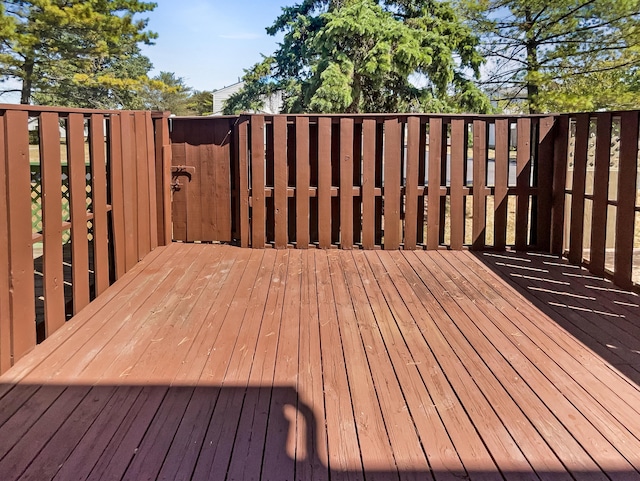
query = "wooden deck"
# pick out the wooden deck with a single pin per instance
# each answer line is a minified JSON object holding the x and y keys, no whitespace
{"x":215,"y":362}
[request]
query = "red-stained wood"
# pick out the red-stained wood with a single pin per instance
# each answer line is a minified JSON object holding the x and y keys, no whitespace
{"x":117,"y":195}
{"x":242,"y":154}
{"x":501,"y":199}
{"x":380,"y":136}
{"x":5,"y":308}
{"x":411,"y":184}
{"x":78,"y":208}
{"x":392,"y":180}
{"x":600,"y":193}
{"x":258,"y":216}
{"x":458,"y":161}
{"x":281,"y":180}
{"x":129,"y":194}
{"x":479,"y":183}
{"x":544,"y":179}
{"x":523,"y":182}
{"x":302,"y":182}
{"x":324,"y":182}
{"x":161,"y":143}
{"x":142,"y":185}
{"x":561,"y":144}
{"x":627,"y":193}
{"x":346,"y":183}
{"x":99,"y":203}
{"x":368,"y":183}
{"x":578,"y":188}
{"x":153,"y":173}
{"x":357,"y":183}
{"x":422,"y":177}
{"x":22,"y":302}
{"x":434,"y":177}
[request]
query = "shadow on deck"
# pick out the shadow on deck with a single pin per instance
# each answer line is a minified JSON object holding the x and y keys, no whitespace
{"x":213,"y":362}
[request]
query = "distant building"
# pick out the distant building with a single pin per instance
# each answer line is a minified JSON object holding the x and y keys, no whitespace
{"x":271,"y":105}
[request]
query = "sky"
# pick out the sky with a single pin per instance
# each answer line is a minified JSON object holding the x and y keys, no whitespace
{"x":209,"y":43}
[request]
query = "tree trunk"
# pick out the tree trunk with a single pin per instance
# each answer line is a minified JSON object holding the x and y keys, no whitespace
{"x":27,"y":82}
{"x":533,"y":67}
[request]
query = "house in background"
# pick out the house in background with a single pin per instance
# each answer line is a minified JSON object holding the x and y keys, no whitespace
{"x":271,"y":105}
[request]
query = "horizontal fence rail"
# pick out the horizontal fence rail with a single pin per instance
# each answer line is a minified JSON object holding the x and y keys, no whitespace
{"x":410,"y":181}
{"x":78,"y":209}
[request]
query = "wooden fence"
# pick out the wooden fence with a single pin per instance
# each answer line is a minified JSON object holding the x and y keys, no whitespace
{"x":410,"y":181}
{"x":597,"y":208}
{"x":112,"y":222}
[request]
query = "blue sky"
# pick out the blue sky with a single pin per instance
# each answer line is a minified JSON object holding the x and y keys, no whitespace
{"x":210,"y":42}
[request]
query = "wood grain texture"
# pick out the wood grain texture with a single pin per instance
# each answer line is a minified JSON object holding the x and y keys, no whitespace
{"x":501,"y":199}
{"x":346,"y":183}
{"x":544,"y":179}
{"x":242,"y":146}
{"x":434,"y":180}
{"x":368,"y":183}
{"x":78,"y":208}
{"x":129,"y":189}
{"x":578,"y":188}
{"x":281,"y":181}
{"x":324,"y":182}
{"x":458,"y":161}
{"x":153,"y":172}
{"x":392,"y":178}
{"x":20,"y":245}
{"x":5,"y":308}
{"x":627,"y":193}
{"x":561,"y":145}
{"x":479,"y":183}
{"x":258,"y":217}
{"x":523,"y":182}
{"x":99,"y":202}
{"x":600,"y":193}
{"x":117,"y":194}
{"x":303,"y":176}
{"x":411,"y":184}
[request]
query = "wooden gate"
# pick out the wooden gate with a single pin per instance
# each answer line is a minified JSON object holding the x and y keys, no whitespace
{"x":201,"y":178}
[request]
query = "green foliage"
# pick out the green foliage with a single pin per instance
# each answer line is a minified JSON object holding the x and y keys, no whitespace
{"x":561,"y":55}
{"x":55,"y":47}
{"x":200,"y":102}
{"x":168,"y":93}
{"x":367,"y":56}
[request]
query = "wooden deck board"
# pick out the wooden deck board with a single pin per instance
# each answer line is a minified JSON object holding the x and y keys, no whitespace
{"x":215,"y":362}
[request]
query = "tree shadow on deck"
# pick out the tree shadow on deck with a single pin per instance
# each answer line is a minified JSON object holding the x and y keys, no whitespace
{"x":593,"y":310}
{"x":184,"y":432}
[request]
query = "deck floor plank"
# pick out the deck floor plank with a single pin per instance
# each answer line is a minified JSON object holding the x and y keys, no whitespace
{"x":215,"y":362}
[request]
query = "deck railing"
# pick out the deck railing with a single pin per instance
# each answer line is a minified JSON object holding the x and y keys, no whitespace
{"x":565,"y":184}
{"x":410,"y":181}
{"x":94,"y":223}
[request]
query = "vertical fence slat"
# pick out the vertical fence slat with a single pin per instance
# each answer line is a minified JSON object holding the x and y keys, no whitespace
{"x":411,"y":183}
{"x":357,"y":181}
{"x":600,"y":193}
{"x":22,"y":300}
{"x":434,"y":177}
{"x":523,"y":179}
{"x":578,"y":188}
{"x":324,"y":182}
{"x":561,"y":142}
{"x":281,"y":216}
{"x":479,"y":183}
{"x":302,"y":182}
{"x":5,"y":309}
{"x":99,"y":192}
{"x":18,"y":198}
{"x":54,"y":314}
{"x":346,"y":183}
{"x":544,"y":184}
{"x":501,"y":197}
{"x":368,"y":183}
{"x":392,"y":180}
{"x":129,"y":191}
{"x":163,"y":179}
{"x":152,"y":173}
{"x":627,"y":193}
{"x":422,"y":156}
{"x":117,"y":194}
{"x":458,"y":160}
{"x":257,"y":182}
{"x":142,"y":185}
{"x":242,"y":144}
{"x":78,"y":210}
